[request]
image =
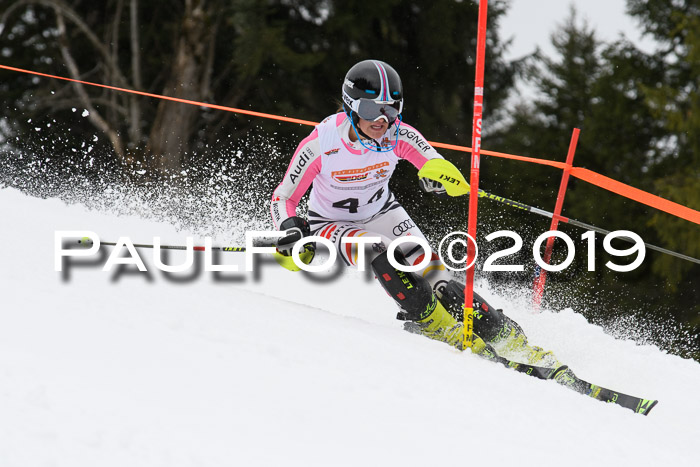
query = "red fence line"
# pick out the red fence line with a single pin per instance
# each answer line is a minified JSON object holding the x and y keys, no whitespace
{"x":589,"y":176}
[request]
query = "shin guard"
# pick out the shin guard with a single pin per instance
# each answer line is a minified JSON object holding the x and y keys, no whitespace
{"x":412,"y":293}
{"x":421,"y":310}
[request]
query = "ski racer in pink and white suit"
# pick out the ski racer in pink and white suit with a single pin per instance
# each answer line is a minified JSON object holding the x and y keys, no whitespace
{"x":349,"y":173}
{"x":350,"y":196}
{"x":347,"y":160}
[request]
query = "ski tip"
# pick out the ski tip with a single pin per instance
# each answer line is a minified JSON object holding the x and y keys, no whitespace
{"x":646,"y":405}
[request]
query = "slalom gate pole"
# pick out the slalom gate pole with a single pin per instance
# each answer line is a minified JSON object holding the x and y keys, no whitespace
{"x":540,"y":273}
{"x":474,"y":177}
{"x":583,"y":225}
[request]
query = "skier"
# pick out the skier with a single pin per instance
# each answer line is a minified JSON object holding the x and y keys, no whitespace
{"x":349,"y":159}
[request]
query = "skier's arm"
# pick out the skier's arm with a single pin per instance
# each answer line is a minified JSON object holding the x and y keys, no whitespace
{"x":436,"y":174}
{"x":303,"y":168}
{"x":413,"y":147}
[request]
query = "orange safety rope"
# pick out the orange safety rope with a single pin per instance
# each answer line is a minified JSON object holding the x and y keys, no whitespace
{"x":578,"y":172}
{"x":636,"y":194}
{"x":175,"y":99}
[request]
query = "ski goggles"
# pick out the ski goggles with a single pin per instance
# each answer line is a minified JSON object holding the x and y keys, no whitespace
{"x":371,"y":110}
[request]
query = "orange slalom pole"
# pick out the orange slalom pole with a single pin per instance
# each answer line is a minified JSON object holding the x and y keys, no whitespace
{"x":468,"y":333}
{"x":541,"y":273}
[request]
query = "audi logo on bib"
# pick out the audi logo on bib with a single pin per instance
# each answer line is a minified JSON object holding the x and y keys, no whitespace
{"x":403,"y":227}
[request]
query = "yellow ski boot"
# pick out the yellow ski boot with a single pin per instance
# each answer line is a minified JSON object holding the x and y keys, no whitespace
{"x":502,"y":333}
{"x":515,"y":346}
{"x":438,"y":324}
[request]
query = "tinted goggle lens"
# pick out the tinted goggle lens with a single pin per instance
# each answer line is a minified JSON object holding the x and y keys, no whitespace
{"x":371,"y":110}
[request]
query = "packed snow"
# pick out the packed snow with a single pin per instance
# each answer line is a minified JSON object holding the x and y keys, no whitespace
{"x":129,"y":368}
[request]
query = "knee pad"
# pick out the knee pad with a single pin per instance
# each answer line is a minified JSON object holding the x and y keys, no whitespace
{"x":412,"y":293}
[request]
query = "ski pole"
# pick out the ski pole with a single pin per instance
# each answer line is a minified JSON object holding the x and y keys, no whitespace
{"x":583,"y":225}
{"x":286,"y":262}
{"x":232,"y":249}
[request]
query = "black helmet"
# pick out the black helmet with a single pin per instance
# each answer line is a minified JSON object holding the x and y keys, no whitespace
{"x":372,"y":90}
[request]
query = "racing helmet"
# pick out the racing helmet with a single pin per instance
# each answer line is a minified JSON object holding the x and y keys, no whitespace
{"x":372,"y":90}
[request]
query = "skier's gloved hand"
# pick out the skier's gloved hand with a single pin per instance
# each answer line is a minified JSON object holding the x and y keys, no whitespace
{"x":446,"y":175}
{"x":295,"y":228}
{"x":432,"y":186}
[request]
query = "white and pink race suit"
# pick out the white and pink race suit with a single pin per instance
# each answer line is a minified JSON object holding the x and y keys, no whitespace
{"x":350,"y":195}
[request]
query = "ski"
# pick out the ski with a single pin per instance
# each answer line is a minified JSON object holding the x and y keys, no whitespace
{"x":567,"y":378}
{"x":564,"y":376}
{"x":536,"y":371}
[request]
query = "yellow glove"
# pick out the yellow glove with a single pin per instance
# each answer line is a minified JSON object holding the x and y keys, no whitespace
{"x":444,"y":172}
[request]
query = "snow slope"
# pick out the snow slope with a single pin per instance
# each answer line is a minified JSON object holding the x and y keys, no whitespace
{"x":202,"y":369}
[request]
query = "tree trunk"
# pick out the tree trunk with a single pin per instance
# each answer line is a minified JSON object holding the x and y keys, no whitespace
{"x":94,"y":116}
{"x":135,"y":101}
{"x":174,"y":123}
